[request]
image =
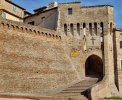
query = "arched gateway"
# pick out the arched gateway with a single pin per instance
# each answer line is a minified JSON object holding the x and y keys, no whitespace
{"x":94,"y":66}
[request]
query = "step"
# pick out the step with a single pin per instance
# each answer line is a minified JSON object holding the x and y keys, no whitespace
{"x":83,"y":85}
{"x":75,"y":89}
{"x":67,"y":94}
{"x":71,"y":91}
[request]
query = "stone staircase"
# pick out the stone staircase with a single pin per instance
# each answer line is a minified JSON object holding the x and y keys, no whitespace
{"x":78,"y":88}
{"x":71,"y":93}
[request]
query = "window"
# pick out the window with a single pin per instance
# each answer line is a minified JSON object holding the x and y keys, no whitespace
{"x":69,"y":11}
{"x":102,"y":27}
{"x":90,"y":28}
{"x":78,"y":28}
{"x":120,"y":44}
{"x":14,"y":8}
{"x":121,"y":64}
{"x":4,"y":15}
{"x":65,"y":29}
{"x":84,"y":28}
{"x":111,"y":28}
{"x":43,"y":18}
{"x":71,"y":29}
{"x":95,"y":28}
{"x":84,"y":25}
{"x":31,"y":23}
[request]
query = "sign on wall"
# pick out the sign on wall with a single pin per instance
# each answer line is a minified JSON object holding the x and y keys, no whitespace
{"x":74,"y":53}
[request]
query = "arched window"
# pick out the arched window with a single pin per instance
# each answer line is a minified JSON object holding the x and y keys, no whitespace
{"x":111,"y":27}
{"x":65,"y":29}
{"x":90,"y":28}
{"x":95,"y":28}
{"x":71,"y":29}
{"x":78,"y":28}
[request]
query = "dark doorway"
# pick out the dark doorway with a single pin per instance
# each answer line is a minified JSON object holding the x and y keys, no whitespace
{"x":94,"y":66}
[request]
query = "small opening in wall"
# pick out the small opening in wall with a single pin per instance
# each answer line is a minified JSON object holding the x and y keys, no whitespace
{"x":38,"y":32}
{"x":78,"y":28}
{"x":71,"y":29}
{"x":42,"y":18}
{"x":53,"y":36}
{"x":34,"y":31}
{"x":111,"y":28}
{"x":49,"y":35}
{"x":65,"y":29}
{"x":120,"y":64}
{"x":8,"y":26}
{"x":95,"y":28}
{"x":17,"y":27}
{"x":31,"y":23}
{"x":90,"y":28}
{"x":84,"y":25}
{"x":102,"y":27}
{"x":120,"y":44}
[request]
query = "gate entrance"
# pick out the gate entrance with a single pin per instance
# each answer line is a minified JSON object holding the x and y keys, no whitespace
{"x":94,"y":66}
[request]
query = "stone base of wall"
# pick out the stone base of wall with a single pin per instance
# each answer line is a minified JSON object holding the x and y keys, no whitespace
{"x":41,"y":98}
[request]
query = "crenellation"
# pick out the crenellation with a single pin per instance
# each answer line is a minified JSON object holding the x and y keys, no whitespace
{"x":57,"y":47}
{"x":21,"y":27}
{"x":77,"y":28}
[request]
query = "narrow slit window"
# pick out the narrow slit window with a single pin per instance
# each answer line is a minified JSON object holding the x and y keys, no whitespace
{"x":84,"y":25}
{"x":84,"y":28}
{"x":102,"y":27}
{"x":78,"y":28}
{"x":71,"y":29}
{"x":121,"y":64}
{"x":65,"y":29}
{"x":95,"y":28}
{"x":111,"y":28}
{"x":90,"y":28}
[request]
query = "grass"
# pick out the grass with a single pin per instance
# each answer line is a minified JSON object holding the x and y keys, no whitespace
{"x":114,"y":98}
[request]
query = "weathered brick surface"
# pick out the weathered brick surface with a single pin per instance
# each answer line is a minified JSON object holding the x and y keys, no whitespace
{"x":30,"y":65}
{"x":40,"y":62}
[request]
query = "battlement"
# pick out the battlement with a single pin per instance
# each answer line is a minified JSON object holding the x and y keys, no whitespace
{"x":70,"y":2}
{"x":97,"y":6}
{"x":26,"y":28}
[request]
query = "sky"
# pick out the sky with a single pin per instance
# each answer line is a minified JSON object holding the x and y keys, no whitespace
{"x":30,"y":5}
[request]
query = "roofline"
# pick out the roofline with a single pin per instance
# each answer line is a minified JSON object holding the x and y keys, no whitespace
{"x":70,"y":2}
{"x":39,"y":8}
{"x":41,"y":12}
{"x":11,"y":13}
{"x":96,"y":6}
{"x":28,"y":12}
{"x":118,"y":29}
{"x":15,"y":4}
